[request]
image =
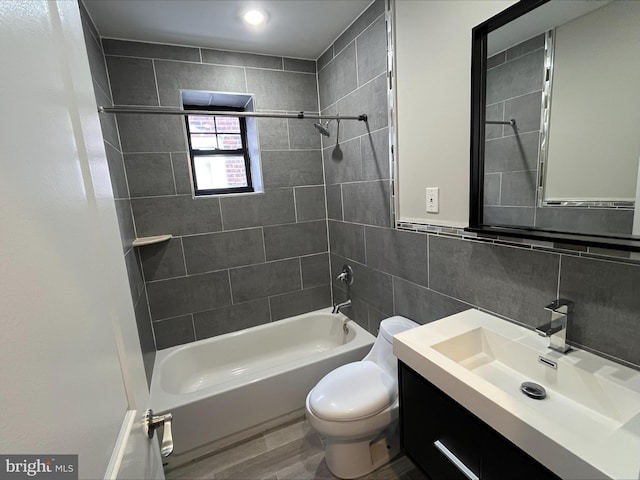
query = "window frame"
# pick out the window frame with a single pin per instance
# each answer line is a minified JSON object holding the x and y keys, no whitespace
{"x":201,"y":152}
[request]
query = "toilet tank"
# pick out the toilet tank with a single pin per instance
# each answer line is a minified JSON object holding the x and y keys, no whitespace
{"x":382,"y":350}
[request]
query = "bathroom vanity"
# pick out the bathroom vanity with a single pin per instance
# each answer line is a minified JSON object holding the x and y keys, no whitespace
{"x":463,"y":415}
{"x":448,"y":441}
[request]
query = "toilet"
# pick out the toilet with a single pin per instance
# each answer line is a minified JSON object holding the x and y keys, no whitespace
{"x":354,"y":408}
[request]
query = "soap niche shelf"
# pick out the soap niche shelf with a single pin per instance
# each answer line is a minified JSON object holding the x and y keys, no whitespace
{"x":142,"y":241}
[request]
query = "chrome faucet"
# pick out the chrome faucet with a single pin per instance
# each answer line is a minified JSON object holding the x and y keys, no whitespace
{"x":556,"y":329}
{"x":339,"y":306}
{"x":346,"y":277}
{"x":336,"y":309}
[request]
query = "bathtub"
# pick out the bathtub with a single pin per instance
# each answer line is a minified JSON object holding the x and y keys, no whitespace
{"x":227,"y":388}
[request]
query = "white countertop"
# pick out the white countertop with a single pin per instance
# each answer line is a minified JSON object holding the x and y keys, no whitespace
{"x":568,"y":447}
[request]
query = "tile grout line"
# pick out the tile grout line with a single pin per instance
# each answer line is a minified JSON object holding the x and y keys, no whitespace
{"x":238,"y":267}
{"x":264,"y":245}
{"x":173,"y":173}
{"x":300,"y":265}
{"x":295,"y":207}
{"x":153,"y":330}
{"x":198,"y":62}
{"x":155,"y":79}
{"x":393,"y":296}
{"x":383,"y":74}
{"x":324,"y":175}
{"x":508,"y":99}
{"x":364,"y":244}
{"x":529,"y":52}
{"x":230,"y":286}
{"x":335,"y":54}
{"x":148,"y":304}
{"x":193,"y":325}
{"x":246,"y":302}
{"x":222,"y":218}
{"x":355,"y":51}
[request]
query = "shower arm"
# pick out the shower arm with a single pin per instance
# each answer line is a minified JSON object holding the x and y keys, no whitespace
{"x":511,"y":122}
{"x":174,"y":111}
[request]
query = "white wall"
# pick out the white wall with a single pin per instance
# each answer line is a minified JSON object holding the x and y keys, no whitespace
{"x":433,"y":80}
{"x":69,"y":351}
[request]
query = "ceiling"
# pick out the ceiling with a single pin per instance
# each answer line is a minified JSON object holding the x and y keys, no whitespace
{"x":295,"y":28}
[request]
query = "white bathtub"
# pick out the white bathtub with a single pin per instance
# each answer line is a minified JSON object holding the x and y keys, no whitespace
{"x":227,"y":388}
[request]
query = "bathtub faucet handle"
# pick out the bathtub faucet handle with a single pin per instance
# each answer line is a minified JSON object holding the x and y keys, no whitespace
{"x":346,"y":275}
{"x":152,"y":422}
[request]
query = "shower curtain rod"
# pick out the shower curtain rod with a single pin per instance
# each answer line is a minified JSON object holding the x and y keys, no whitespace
{"x":173,"y":111}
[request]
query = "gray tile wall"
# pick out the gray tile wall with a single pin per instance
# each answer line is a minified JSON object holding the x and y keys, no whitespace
{"x":514,"y":90}
{"x":117,"y":171}
{"x":426,"y":277}
{"x":235,"y":261}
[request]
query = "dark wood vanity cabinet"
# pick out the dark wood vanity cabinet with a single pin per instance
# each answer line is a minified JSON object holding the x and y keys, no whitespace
{"x":448,"y":442}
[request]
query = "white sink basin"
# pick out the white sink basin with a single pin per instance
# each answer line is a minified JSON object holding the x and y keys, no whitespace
{"x":591,"y":412}
{"x":592,"y":404}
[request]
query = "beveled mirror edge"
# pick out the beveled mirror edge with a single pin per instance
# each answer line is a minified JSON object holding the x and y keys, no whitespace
{"x":477,"y":131}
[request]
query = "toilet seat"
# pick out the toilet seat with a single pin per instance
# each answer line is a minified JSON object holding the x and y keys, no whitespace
{"x":351,"y":392}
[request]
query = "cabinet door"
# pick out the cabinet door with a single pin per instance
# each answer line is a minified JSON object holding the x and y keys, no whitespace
{"x":501,"y":459}
{"x":440,"y":436}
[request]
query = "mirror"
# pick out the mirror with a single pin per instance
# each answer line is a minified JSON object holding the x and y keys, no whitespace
{"x":556,"y":122}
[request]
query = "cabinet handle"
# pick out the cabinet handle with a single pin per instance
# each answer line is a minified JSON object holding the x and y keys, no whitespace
{"x":455,"y":460}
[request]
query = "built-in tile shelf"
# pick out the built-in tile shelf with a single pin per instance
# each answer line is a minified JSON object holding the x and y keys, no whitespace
{"x":142,"y":241}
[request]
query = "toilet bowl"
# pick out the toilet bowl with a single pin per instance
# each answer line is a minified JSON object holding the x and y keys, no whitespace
{"x":354,"y":408}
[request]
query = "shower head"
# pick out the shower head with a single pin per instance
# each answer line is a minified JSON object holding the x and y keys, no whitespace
{"x":323,"y":128}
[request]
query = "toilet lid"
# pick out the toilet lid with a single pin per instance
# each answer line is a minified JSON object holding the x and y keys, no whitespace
{"x":352,"y":392}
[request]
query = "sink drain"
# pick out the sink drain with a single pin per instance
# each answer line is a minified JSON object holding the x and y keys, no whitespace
{"x":533,"y":390}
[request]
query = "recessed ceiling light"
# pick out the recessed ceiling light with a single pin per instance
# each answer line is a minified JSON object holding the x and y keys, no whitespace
{"x":254,"y":17}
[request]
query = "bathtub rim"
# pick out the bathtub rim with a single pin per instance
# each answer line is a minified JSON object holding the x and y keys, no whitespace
{"x":163,"y":401}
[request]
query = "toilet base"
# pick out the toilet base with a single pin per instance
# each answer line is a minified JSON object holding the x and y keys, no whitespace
{"x":355,"y":459}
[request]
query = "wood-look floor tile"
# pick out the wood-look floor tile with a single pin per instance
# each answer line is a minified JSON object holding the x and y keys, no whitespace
{"x":291,"y":452}
{"x":393,"y":470}
{"x":206,"y":467}
{"x":191,"y":471}
{"x":271,"y":461}
{"x":313,"y":468}
{"x":415,"y":474}
{"x":289,"y":433}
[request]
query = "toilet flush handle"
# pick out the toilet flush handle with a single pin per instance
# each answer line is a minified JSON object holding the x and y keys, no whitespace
{"x":152,"y":422}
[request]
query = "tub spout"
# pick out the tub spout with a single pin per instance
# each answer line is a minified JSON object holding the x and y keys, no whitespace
{"x":339,"y":306}
{"x":336,"y":309}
